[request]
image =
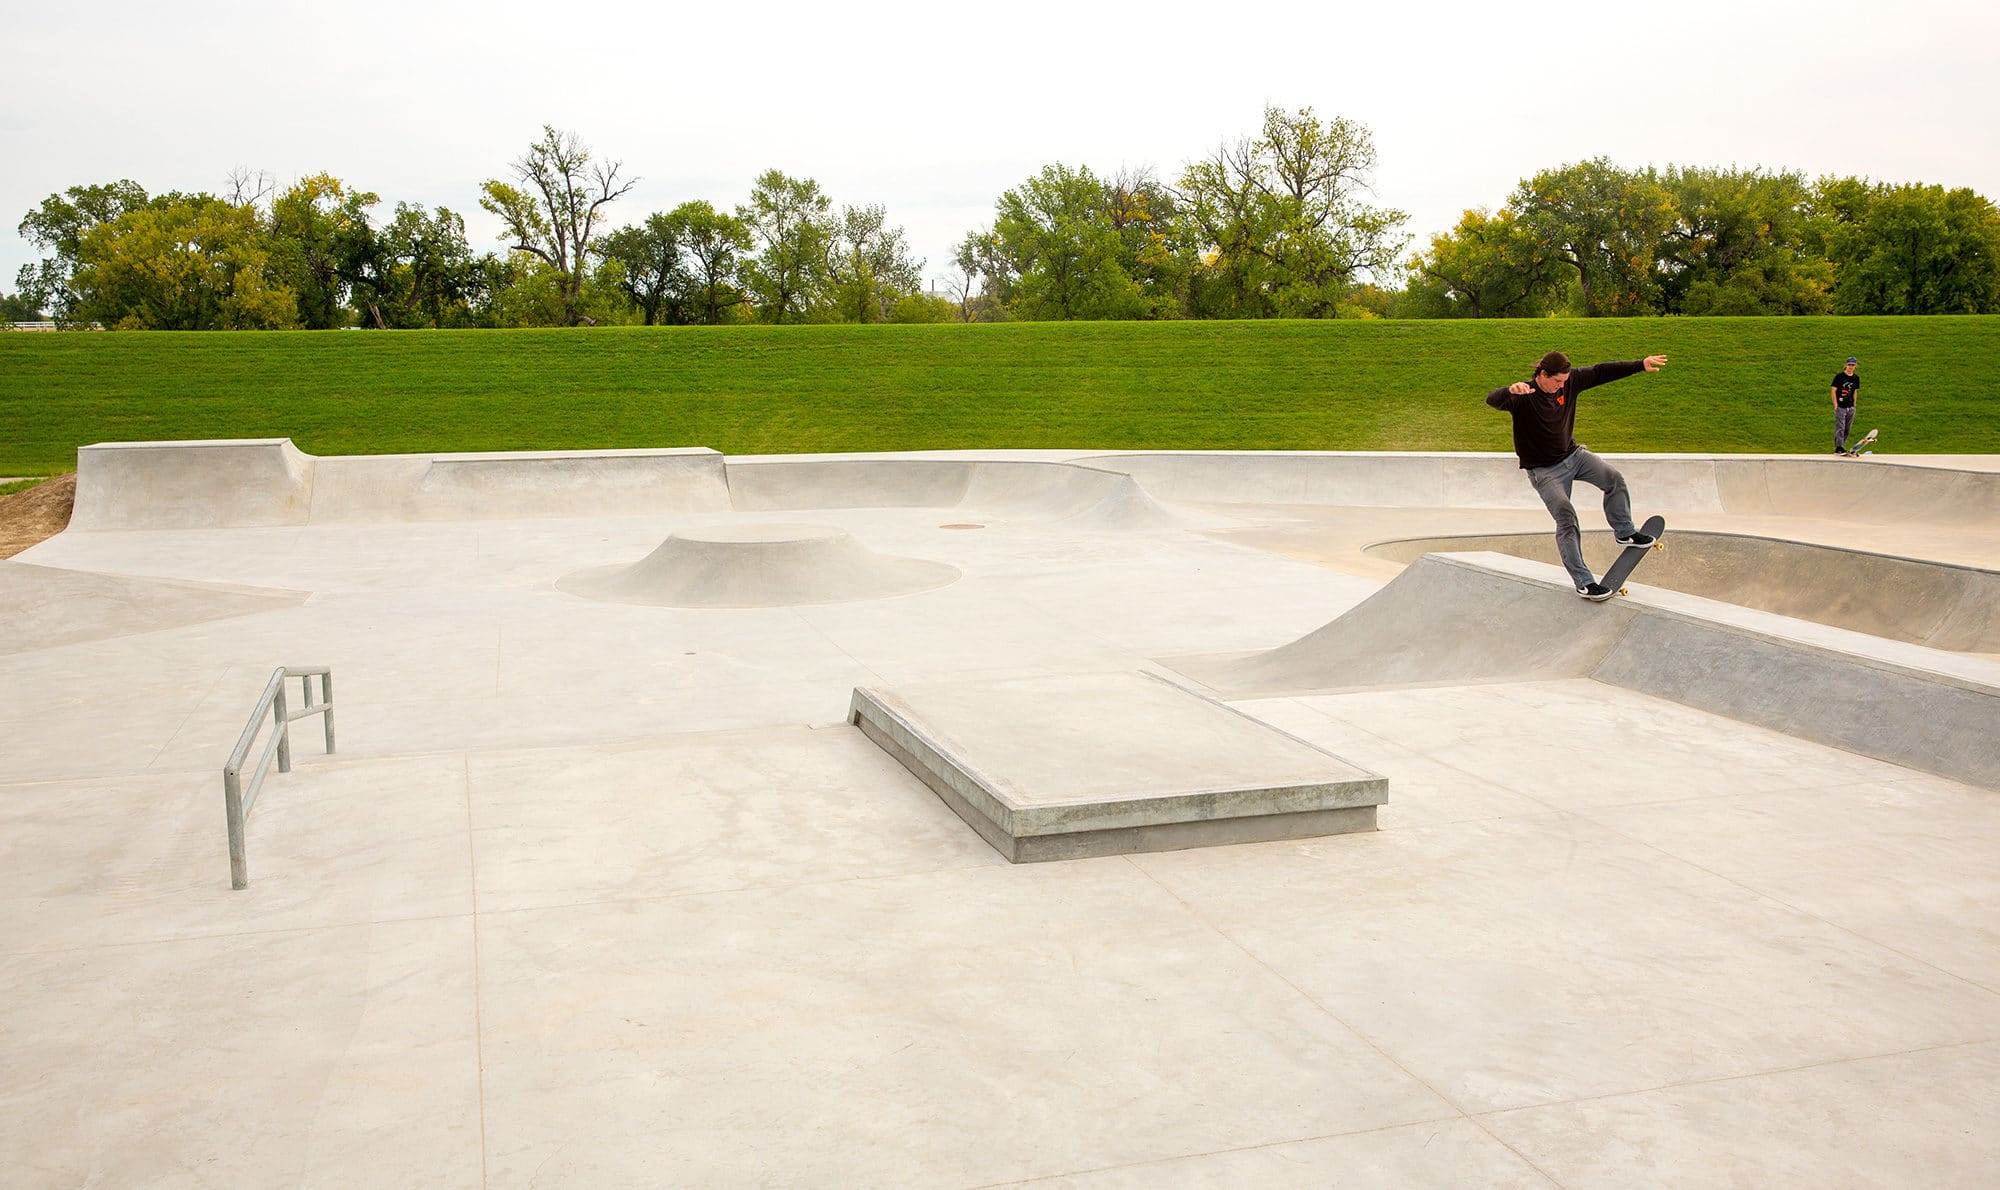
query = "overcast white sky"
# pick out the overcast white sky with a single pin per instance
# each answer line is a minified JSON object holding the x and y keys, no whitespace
{"x":932,"y":109}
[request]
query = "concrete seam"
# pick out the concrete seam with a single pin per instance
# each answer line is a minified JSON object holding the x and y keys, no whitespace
{"x":601,"y":902}
{"x":1273,"y":1144}
{"x":1737,"y":1078}
{"x":1495,"y":782}
{"x":1780,"y":901}
{"x":361,"y":923}
{"x":838,"y":647}
{"x":1308,"y":997}
{"x":182,"y":725}
{"x":1746,"y":794}
{"x":478,"y":1013}
{"x":1428,"y":758}
{"x":1335,"y":1017}
{"x":114,"y":944}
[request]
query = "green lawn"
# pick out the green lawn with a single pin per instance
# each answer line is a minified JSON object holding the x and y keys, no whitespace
{"x":1751,"y":384}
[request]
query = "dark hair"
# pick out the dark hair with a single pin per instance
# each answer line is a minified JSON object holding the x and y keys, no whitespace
{"x":1554,"y":363}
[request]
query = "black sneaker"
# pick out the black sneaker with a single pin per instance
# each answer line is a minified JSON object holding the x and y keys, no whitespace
{"x":1595,"y":592}
{"x":1636,"y":538}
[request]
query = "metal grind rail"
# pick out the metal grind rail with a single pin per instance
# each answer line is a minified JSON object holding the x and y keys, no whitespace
{"x":236,"y":801}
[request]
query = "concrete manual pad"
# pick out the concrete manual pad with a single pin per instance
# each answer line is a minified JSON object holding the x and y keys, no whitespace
{"x":1107,"y":764}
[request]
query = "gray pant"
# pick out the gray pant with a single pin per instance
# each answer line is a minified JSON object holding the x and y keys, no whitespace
{"x":1843,"y":421}
{"x":1553,"y":483}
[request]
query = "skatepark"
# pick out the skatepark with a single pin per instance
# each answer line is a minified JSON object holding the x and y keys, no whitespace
{"x":1074,"y":818}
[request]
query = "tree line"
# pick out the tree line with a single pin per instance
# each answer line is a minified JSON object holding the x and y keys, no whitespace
{"x":1277,"y":224}
{"x":317,"y":255}
{"x":1593,"y":239}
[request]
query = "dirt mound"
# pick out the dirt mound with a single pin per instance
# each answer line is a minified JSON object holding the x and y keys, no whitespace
{"x":33,"y":516}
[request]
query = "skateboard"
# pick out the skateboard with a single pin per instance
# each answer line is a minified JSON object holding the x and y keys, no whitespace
{"x":1629,"y":560}
{"x":1861,"y":447}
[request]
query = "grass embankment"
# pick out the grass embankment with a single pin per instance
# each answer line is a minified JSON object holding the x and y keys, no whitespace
{"x":1734,"y":385}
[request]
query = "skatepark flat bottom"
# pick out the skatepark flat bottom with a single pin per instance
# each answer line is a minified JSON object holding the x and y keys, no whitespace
{"x":606,"y":894}
{"x":1107,"y":764}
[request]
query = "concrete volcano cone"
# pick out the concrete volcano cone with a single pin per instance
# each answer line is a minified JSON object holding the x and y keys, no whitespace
{"x":763,"y":565}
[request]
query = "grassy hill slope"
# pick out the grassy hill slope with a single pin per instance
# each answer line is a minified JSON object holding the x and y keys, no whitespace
{"x":1733,"y":385}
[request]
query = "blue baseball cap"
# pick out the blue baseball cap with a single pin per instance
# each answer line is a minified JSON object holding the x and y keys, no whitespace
{"x":1852,"y":360}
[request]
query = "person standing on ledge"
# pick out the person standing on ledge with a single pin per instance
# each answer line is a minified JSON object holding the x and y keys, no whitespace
{"x":1846,"y":398}
{"x":1544,"y":412}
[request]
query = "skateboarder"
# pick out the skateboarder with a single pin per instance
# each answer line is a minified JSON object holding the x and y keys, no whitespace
{"x":1544,"y":412}
{"x":1846,"y":398}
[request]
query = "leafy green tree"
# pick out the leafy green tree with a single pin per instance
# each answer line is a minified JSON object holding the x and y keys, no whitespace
{"x":1489,"y":266}
{"x":1738,"y":245}
{"x":1154,"y":249}
{"x":419,"y":271}
{"x":984,"y":283}
{"x":1369,"y":300}
{"x":868,"y":265}
{"x":57,"y":226}
{"x":1911,"y":249}
{"x":923,"y":307}
{"x":528,"y":291}
{"x":319,"y":240}
{"x":553,"y":214}
{"x":652,"y":271}
{"x":1282,"y":218}
{"x":191,"y":264}
{"x":1608,"y":224}
{"x":1223,"y":204}
{"x":607,"y":297}
{"x":1055,"y":230}
{"x":18,"y":307}
{"x":716,"y":244}
{"x":794,"y":222}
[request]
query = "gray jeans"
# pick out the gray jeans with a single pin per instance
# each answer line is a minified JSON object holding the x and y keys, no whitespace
{"x":1553,"y":483}
{"x":1843,"y":421}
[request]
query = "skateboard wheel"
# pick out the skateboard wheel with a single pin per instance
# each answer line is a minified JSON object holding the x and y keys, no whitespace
{"x":1623,"y":591}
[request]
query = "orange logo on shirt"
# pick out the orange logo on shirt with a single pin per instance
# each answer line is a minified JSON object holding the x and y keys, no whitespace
{"x":1559,"y":401}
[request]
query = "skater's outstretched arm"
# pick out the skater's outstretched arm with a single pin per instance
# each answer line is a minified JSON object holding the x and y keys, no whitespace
{"x":1605,"y":373}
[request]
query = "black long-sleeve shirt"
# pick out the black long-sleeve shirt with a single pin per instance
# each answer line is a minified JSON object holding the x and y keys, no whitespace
{"x":1545,"y":423}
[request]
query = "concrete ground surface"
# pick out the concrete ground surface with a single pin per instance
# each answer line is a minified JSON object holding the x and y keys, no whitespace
{"x":605,"y":893}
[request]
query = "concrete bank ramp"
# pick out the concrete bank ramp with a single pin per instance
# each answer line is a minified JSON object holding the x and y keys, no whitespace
{"x":1486,"y":617}
{"x":1076,"y":496}
{"x":45,"y":606}
{"x":760,"y":565}
{"x":1444,"y":620}
{"x":222,"y":484}
{"x":1937,"y":604}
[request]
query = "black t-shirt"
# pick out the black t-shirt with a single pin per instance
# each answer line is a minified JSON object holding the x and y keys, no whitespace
{"x":1844,"y":387}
